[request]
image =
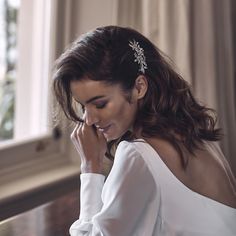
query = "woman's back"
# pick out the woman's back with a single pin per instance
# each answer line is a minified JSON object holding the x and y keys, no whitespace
{"x":197,"y":201}
{"x":207,"y":172}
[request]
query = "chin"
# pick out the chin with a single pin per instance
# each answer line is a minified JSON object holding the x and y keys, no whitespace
{"x":114,"y":136}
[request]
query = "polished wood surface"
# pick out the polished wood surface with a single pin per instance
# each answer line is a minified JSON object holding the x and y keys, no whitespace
{"x":51,"y":219}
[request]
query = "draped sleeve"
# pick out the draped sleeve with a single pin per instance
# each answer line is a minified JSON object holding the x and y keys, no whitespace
{"x":115,"y":207}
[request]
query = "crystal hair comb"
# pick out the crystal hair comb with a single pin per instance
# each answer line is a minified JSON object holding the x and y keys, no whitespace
{"x":139,"y":55}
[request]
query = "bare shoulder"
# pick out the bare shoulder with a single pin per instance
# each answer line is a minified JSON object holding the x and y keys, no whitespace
{"x":207,"y":173}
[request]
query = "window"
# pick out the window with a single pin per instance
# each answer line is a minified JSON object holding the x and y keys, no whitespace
{"x":32,"y":153}
{"x":25,"y":39}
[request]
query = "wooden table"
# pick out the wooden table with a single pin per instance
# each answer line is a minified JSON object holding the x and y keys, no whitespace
{"x":51,"y":219}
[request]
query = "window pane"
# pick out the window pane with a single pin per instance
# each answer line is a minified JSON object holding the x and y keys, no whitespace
{"x":8,"y":58}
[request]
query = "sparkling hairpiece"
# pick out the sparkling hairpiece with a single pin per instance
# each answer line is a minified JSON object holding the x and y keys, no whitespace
{"x":139,"y":55}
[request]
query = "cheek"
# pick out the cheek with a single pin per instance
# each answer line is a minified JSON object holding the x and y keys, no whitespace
{"x":119,"y":112}
{"x":114,"y":112}
{"x":124,"y":114}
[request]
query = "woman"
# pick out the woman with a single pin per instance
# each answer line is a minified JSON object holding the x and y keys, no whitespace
{"x":169,"y":176}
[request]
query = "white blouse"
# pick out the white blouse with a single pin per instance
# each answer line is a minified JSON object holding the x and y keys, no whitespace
{"x":141,"y":197}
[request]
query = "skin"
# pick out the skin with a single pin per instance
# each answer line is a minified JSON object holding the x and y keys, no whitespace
{"x":107,"y":114}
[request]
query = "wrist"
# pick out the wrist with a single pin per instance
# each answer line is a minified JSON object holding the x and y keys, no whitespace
{"x":91,"y":168}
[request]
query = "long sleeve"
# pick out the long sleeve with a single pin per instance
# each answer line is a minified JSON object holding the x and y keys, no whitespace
{"x":116,"y":207}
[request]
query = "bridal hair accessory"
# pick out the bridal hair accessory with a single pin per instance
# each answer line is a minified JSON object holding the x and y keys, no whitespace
{"x":139,"y":55}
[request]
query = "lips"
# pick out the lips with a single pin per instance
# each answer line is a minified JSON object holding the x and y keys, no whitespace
{"x":103,"y":129}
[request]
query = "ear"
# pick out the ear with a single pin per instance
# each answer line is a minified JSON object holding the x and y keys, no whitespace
{"x":140,"y":87}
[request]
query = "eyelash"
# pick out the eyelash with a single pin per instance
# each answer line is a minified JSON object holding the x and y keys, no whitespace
{"x":102,"y":105}
{"x":98,"y":106}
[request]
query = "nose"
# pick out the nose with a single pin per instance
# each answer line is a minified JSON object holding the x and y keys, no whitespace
{"x":90,"y":118}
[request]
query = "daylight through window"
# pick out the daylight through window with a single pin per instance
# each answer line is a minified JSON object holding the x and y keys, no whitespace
{"x":8,"y":59}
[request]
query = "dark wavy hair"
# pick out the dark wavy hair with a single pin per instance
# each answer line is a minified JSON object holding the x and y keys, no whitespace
{"x":168,"y":110}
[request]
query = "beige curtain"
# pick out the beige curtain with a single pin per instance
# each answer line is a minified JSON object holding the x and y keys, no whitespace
{"x":198,"y":37}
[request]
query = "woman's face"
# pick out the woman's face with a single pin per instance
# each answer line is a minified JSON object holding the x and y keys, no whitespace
{"x":105,"y":106}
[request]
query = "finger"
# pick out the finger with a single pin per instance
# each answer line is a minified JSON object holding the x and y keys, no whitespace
{"x":74,"y":132}
{"x":79,"y":135}
{"x":89,"y":130}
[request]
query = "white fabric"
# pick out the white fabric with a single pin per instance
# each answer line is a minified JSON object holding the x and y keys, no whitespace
{"x":141,"y":197}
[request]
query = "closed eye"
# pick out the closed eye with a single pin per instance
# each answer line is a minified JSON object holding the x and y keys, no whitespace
{"x":100,"y":105}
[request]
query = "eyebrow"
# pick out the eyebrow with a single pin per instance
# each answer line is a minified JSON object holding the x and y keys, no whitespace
{"x":91,"y":99}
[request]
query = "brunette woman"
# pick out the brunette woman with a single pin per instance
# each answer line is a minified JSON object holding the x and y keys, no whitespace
{"x":169,"y":176}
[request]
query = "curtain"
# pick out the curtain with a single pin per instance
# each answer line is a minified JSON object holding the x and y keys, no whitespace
{"x":198,"y":37}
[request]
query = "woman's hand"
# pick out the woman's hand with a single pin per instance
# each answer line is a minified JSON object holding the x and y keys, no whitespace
{"x":90,"y":143}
